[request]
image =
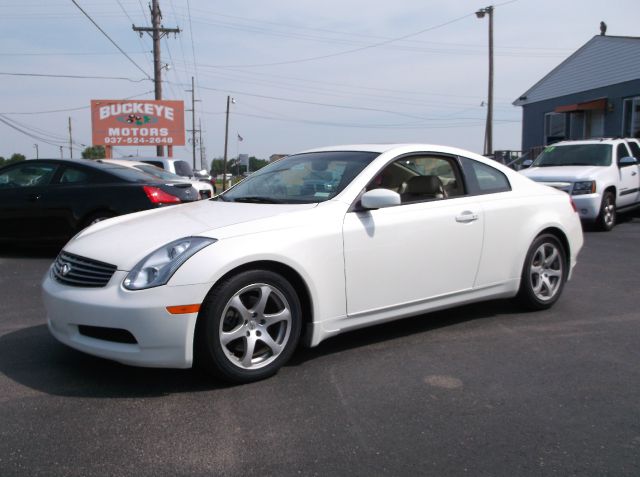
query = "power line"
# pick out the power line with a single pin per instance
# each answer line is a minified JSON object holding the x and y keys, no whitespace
{"x":327,"y":105}
{"x":110,"y":39}
{"x":46,"y":75}
{"x":69,"y":109}
{"x":354,"y":50}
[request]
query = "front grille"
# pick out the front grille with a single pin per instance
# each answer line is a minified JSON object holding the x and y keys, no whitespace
{"x":77,"y":271}
{"x":563,"y":186}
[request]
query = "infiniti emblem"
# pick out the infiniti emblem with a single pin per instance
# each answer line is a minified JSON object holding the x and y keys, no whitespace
{"x":65,"y":269}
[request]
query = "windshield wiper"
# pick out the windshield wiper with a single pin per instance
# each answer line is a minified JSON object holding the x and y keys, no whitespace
{"x":256,"y":199}
{"x":562,"y":165}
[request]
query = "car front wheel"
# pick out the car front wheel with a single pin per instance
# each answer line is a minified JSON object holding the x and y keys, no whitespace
{"x":543,"y":274}
{"x":249,"y":326}
{"x":607,"y":217}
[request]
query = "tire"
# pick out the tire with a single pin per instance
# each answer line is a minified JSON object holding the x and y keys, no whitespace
{"x":544,"y":273}
{"x":248,"y":327}
{"x":607,"y":217}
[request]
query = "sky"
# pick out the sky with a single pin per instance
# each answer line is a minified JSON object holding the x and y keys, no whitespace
{"x":303,"y":74}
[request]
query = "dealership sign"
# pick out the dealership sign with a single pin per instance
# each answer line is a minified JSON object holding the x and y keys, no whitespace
{"x":137,"y":122}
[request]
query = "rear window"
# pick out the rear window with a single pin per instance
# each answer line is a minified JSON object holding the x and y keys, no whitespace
{"x":131,"y":175}
{"x":160,"y":173}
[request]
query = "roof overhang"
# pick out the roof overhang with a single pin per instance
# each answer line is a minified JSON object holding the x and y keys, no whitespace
{"x":598,"y":104}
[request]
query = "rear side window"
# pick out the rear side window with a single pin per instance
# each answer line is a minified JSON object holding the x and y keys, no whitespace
{"x":183,"y":168}
{"x":74,"y":175}
{"x":483,"y":179}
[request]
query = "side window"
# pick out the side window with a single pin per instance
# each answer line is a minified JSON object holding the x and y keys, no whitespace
{"x":72,"y":175}
{"x":27,"y":175}
{"x":635,"y":149}
{"x":183,"y":168}
{"x":621,"y":151}
{"x":420,"y":178}
{"x":483,"y":179}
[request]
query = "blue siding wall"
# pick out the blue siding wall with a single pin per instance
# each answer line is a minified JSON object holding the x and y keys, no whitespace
{"x":533,"y":113}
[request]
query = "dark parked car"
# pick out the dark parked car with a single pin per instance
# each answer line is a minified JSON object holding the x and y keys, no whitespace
{"x":52,"y":199}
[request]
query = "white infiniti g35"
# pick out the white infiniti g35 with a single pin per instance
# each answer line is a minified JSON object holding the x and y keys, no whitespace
{"x":313,"y":245}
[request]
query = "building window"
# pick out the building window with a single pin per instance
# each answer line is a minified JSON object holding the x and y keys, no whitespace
{"x":631,"y":117}
{"x":555,"y":127}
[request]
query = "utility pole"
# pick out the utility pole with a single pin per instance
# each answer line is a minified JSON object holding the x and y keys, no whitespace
{"x":202,"y":154}
{"x":488,"y":132}
{"x":156,"y":31}
{"x":226,"y":143}
{"x":70,"y":140}
{"x":61,"y":152}
{"x":193,"y":120}
{"x":37,"y":153}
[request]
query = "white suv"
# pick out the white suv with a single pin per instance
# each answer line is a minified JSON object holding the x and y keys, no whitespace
{"x":601,"y":175}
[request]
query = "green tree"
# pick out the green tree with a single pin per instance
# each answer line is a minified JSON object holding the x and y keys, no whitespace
{"x":94,"y":152}
{"x":15,"y":157}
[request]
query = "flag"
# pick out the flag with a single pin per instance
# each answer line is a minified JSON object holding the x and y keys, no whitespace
{"x":240,"y":138}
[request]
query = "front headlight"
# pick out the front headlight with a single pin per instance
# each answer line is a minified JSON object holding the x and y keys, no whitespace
{"x":586,"y":187}
{"x":158,"y":267}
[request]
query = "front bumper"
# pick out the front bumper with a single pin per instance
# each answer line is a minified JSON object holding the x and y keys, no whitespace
{"x":161,"y":339}
{"x":588,"y":205}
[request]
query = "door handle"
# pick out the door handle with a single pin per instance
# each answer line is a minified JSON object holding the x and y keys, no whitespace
{"x":634,"y":173}
{"x":466,"y":217}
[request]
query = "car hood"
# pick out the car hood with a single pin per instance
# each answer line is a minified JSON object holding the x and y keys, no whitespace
{"x":562,"y":173}
{"x":125,"y":240}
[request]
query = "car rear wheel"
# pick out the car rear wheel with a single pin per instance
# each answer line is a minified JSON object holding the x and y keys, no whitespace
{"x":249,"y":326}
{"x":544,"y":273}
{"x":607,"y":217}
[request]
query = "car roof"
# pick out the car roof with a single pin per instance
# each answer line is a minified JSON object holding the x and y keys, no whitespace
{"x":152,"y":158}
{"x":606,"y":140}
{"x":122,"y":162}
{"x":402,"y":148}
{"x":94,"y":163}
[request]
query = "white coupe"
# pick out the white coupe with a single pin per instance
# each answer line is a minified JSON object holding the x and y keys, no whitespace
{"x":313,"y":245}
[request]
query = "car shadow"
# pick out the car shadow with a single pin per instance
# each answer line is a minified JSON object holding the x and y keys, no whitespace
{"x":32,"y":357}
{"x":406,"y":327}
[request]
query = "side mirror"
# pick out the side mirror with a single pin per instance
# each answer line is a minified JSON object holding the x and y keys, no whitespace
{"x":379,"y":199}
{"x":527,"y":163}
{"x":627,"y":161}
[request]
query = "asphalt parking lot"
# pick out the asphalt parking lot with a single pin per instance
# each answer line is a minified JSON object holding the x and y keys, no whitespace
{"x":479,"y":390}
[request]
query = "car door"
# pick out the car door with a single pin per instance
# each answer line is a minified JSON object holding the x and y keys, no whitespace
{"x":634,"y":170}
{"x":426,"y":247}
{"x":629,"y":179}
{"x":22,"y":187}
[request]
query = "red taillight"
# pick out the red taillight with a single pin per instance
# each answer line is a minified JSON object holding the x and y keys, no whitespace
{"x":158,"y":196}
{"x":573,"y":204}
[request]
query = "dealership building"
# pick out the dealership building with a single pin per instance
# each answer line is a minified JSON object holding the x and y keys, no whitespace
{"x":593,"y":93}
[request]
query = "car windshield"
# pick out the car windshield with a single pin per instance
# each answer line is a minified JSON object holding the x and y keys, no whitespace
{"x":575,"y":155}
{"x":159,"y":173}
{"x":301,"y":179}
